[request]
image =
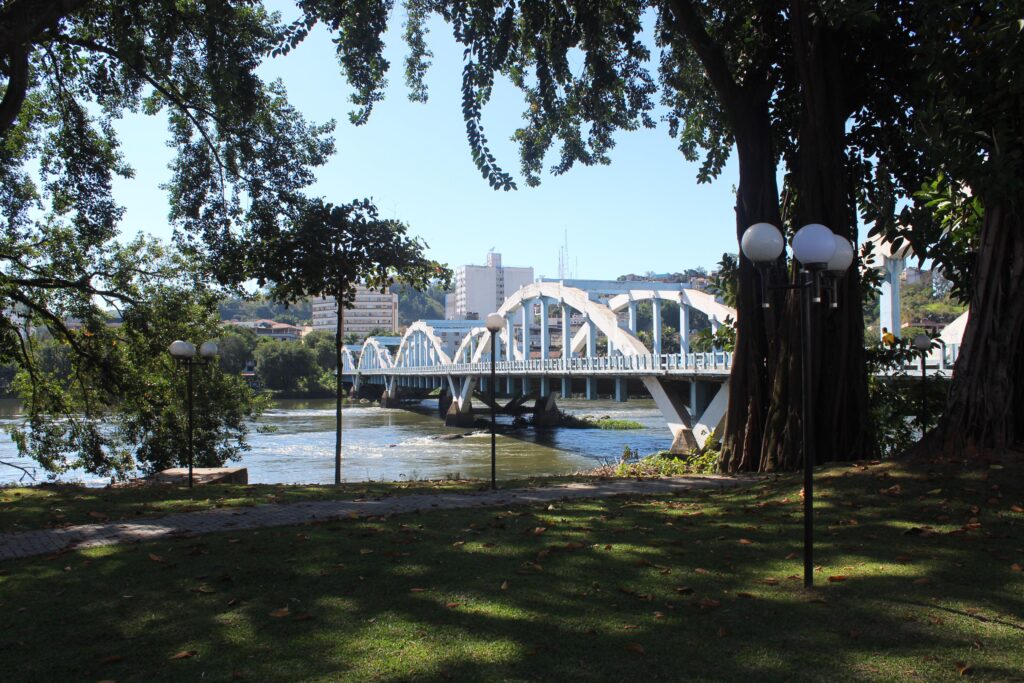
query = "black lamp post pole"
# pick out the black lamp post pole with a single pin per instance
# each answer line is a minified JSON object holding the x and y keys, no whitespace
{"x":807,"y":431}
{"x":191,"y":446}
{"x":494,"y":415}
{"x":924,"y":394}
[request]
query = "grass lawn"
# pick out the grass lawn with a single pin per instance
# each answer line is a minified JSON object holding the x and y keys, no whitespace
{"x":919,"y":579}
{"x":38,"y":507}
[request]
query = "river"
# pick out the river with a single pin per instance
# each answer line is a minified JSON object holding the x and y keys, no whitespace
{"x":392,"y":445}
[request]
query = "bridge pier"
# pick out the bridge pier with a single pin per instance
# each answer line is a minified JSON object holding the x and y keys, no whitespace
{"x":566,"y":387}
{"x":591,"y":391}
{"x":545,"y":412}
{"x":621,"y":389}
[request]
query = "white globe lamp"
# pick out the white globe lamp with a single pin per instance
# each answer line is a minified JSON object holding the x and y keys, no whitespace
{"x":814,"y":245}
{"x":762,"y":243}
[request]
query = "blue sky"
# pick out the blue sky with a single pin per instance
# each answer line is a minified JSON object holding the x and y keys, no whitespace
{"x":644,"y":212}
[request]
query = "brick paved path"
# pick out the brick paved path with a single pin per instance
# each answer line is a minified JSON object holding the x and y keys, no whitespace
{"x":43,"y":541}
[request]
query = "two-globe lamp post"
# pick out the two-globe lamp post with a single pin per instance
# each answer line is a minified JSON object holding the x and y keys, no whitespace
{"x":821,"y":253}
{"x":185,"y":354}
{"x":493,"y":324}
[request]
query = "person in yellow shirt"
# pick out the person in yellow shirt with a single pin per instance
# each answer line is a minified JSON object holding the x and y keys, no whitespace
{"x":888,"y":338}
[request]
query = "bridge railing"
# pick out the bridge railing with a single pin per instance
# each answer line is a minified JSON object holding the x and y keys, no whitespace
{"x":716,"y":363}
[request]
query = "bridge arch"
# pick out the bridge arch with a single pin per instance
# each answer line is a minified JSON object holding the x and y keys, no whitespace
{"x":374,"y":355}
{"x":421,"y":346}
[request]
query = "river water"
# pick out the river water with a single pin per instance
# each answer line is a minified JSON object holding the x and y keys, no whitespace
{"x":390,"y":445}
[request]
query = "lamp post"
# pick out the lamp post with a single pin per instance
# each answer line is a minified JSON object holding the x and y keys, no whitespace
{"x":494,"y":323}
{"x":184,"y":353}
{"x":923,"y":343}
{"x":819,"y":252}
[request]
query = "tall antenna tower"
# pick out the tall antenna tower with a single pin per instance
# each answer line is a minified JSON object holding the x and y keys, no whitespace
{"x":563,"y":257}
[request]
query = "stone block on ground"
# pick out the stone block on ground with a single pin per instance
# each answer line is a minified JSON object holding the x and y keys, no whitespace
{"x":204,"y":475}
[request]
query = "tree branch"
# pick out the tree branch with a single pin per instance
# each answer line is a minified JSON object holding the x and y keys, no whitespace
{"x":687,"y":23}
{"x":17,"y":87}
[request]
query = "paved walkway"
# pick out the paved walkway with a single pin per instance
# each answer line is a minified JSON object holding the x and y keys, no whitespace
{"x":45,"y":541}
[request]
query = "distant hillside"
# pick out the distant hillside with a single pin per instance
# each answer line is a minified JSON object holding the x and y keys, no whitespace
{"x":299,"y":313}
{"x":413,"y":305}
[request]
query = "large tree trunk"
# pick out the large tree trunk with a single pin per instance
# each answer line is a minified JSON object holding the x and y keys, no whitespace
{"x":985,"y":408}
{"x":338,"y":388}
{"x":839,"y":383}
{"x":757,"y":200}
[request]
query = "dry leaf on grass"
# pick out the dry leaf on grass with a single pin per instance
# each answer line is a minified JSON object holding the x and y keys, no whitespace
{"x":279,"y":613}
{"x":184,"y":654}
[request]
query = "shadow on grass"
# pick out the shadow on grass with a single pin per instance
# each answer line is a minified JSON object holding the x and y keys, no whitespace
{"x":697,"y":587}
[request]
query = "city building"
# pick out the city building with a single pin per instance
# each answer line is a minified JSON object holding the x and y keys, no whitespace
{"x":371,"y":311}
{"x":270,"y":328}
{"x":480,"y":290}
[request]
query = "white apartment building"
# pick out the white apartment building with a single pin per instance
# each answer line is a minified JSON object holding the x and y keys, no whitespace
{"x":370,"y":311}
{"x":480,"y":290}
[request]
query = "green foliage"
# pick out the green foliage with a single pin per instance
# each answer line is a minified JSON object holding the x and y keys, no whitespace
{"x":114,"y":400}
{"x":236,"y":348}
{"x":571,"y":421}
{"x":725,"y":281}
{"x":723,"y":339}
{"x":414,"y":304}
{"x":896,"y":401}
{"x":286,"y":365}
{"x":260,"y":308}
{"x":665,"y":464}
{"x":322,"y":345}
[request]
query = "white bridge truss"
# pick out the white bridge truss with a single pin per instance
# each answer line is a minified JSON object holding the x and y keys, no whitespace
{"x":691,"y":389}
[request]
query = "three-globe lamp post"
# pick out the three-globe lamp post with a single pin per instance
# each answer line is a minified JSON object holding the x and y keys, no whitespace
{"x":493,"y":324}
{"x":185,"y":354}
{"x":821,"y":253}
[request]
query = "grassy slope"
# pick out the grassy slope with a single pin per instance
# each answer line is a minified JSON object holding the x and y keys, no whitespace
{"x":702,"y":586}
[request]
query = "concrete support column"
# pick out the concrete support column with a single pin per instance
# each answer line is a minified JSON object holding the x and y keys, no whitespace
{"x":566,"y":387}
{"x":566,"y":333}
{"x":591,"y":353}
{"x":693,"y":397}
{"x":510,"y":339}
{"x":684,"y":329}
{"x":545,"y":341}
{"x":632,"y":317}
{"x":889,"y":303}
{"x":621,"y":392}
{"x":656,"y":326}
{"x":527,"y":320}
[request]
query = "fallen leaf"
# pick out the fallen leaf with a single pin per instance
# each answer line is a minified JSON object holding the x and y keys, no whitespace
{"x":184,"y":654}
{"x":743,"y":594}
{"x":723,"y":632}
{"x":202,"y":588}
{"x":156,"y":558}
{"x":365,"y":551}
{"x":1016,"y":567}
{"x":504,"y":585}
{"x":964,"y":669}
{"x":770,"y":582}
{"x":637,"y":648}
{"x":1016,"y":508}
{"x":282,"y":612}
{"x":701,"y":570}
{"x":98,"y":515}
{"x":302,"y":616}
{"x":836,"y":578}
{"x":539,"y":530}
{"x":791,"y":556}
{"x":452,"y":605}
{"x":417,"y":590}
{"x":745,"y":541}
{"x":684,"y":590}
{"x":709,"y":603}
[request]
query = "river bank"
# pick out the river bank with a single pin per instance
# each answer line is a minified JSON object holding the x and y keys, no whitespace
{"x":294,"y":443}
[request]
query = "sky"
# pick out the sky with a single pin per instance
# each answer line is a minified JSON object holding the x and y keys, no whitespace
{"x":644,"y":212}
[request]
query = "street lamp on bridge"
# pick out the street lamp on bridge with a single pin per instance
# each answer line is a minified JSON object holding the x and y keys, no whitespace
{"x":819,"y":252}
{"x":184,"y":353}
{"x":494,"y":323}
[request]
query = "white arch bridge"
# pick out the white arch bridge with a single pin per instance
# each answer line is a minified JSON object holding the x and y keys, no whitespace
{"x":564,"y":340}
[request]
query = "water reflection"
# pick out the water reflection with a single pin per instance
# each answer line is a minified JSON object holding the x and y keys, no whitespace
{"x":385,"y":445}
